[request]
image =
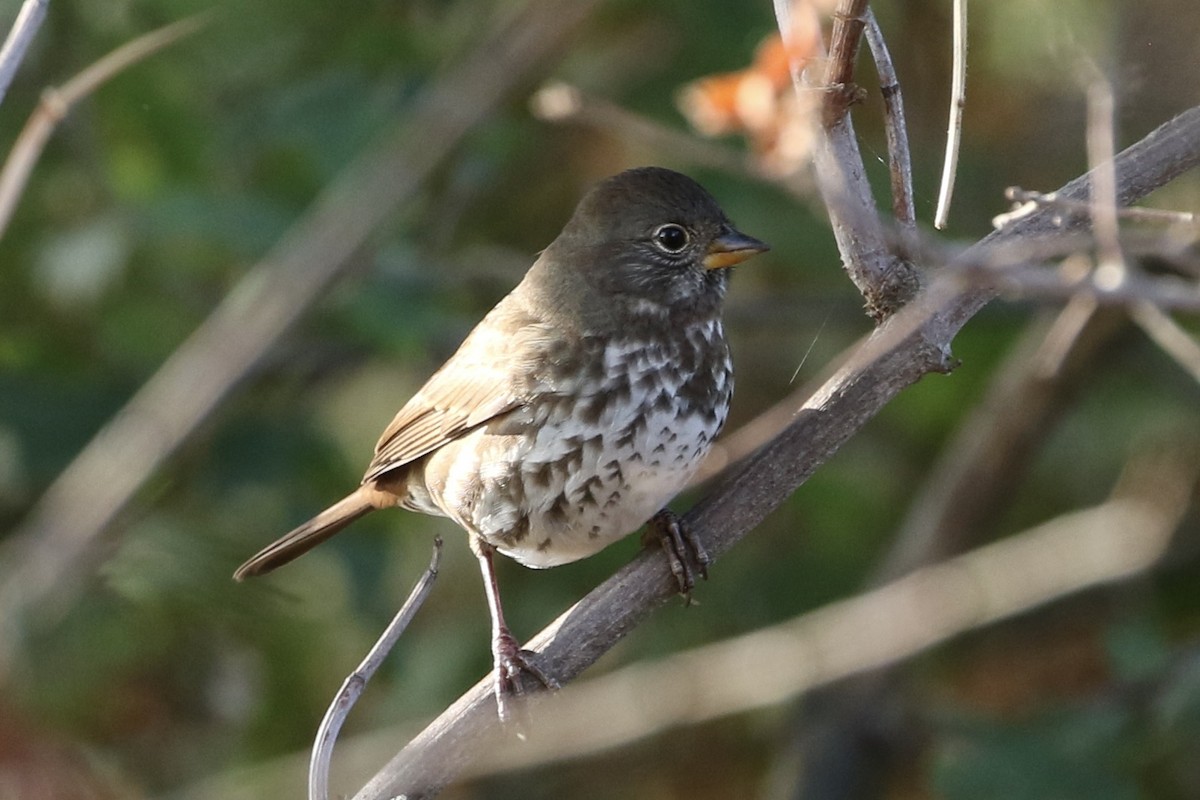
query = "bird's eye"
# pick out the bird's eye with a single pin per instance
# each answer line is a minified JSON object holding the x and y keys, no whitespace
{"x":671,"y":237}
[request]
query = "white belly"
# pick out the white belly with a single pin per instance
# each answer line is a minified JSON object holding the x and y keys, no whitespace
{"x":571,"y":482}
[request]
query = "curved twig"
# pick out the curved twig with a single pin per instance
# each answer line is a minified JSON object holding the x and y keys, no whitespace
{"x":347,"y":696}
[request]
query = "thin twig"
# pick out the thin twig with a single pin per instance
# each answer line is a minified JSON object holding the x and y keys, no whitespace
{"x":1036,"y":282}
{"x":347,"y":696}
{"x":1168,"y":335}
{"x":958,"y":101}
{"x":899,"y":157}
{"x":1111,"y":269}
{"x":29,"y":20}
{"x":1134,"y":214}
{"x":45,"y":561}
{"x":56,"y":103}
{"x":849,"y":19}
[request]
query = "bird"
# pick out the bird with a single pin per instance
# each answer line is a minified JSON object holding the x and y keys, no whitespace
{"x":578,"y":407}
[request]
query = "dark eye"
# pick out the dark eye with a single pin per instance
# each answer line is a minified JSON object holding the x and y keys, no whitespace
{"x":671,"y":237}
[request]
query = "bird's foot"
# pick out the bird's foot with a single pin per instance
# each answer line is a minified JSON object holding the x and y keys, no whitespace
{"x":685,"y":554}
{"x":515,"y":673}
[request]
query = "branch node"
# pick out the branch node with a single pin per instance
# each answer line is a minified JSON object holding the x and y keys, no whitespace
{"x":839,"y":98}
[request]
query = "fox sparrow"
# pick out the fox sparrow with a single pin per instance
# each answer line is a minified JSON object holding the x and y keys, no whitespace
{"x":579,"y":406}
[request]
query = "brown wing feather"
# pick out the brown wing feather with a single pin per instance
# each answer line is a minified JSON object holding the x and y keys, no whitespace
{"x":491,"y":374}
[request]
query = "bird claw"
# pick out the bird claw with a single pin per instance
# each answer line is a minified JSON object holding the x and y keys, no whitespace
{"x":685,"y":554}
{"x":515,"y":669}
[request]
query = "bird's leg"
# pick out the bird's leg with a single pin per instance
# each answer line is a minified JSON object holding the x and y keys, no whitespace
{"x":685,"y":554}
{"x":510,"y":660}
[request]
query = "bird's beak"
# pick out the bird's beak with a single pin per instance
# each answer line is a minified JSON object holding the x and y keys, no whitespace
{"x":732,"y":248}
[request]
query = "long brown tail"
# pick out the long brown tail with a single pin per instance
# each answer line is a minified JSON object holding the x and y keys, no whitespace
{"x":300,"y":540}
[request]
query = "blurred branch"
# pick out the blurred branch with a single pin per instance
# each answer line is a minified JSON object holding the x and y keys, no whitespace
{"x":29,"y":20}
{"x":560,"y":103}
{"x":57,"y":103}
{"x":1161,"y":156}
{"x":913,"y":343}
{"x":1036,"y":281}
{"x":46,"y":559}
{"x":352,"y":688}
{"x":958,"y":101}
{"x":980,"y":467}
{"x":1169,"y":336}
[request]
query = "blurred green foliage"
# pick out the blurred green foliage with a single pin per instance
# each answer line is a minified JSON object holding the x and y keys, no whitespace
{"x":156,"y":195}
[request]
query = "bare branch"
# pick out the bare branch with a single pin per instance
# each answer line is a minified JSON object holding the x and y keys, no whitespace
{"x":848,"y":22}
{"x":1111,"y":269}
{"x":886,"y":281}
{"x":1036,"y":282}
{"x":899,"y":157}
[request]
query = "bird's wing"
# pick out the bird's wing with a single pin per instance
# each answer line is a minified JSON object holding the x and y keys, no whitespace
{"x":493,"y":372}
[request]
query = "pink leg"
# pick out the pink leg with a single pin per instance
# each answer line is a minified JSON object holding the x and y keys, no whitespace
{"x":509,"y":658}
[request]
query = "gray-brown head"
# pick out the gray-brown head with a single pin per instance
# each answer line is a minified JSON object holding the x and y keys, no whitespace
{"x":645,"y":241}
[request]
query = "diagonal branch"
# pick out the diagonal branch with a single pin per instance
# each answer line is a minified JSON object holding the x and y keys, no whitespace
{"x":914,"y":343}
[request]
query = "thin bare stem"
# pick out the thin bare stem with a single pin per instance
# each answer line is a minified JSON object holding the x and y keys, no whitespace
{"x":1169,"y":336}
{"x":356,"y":683}
{"x":1111,"y":270}
{"x":1134,"y":214}
{"x":899,"y":156}
{"x":958,"y":101}
{"x":1036,"y":282}
{"x":29,"y":20}
{"x":56,"y":103}
{"x":848,"y":22}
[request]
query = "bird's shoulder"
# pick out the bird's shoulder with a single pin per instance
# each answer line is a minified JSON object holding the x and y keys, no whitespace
{"x":504,"y":363}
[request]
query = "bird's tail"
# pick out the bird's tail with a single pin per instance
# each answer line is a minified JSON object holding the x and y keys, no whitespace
{"x":300,"y":540}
